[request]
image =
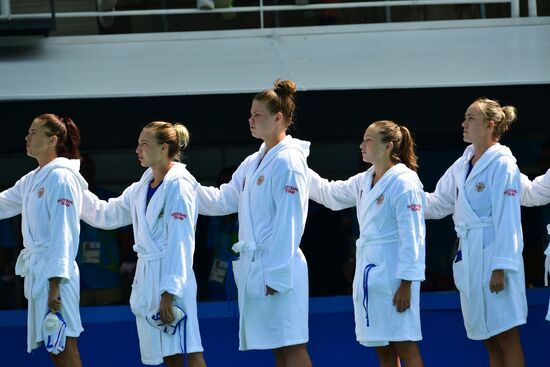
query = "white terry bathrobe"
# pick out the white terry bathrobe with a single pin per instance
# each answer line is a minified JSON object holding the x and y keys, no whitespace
{"x":270,"y":193}
{"x":391,"y":247}
{"x":537,"y":193}
{"x":486,"y":214}
{"x":49,"y":199}
{"x":164,"y":232}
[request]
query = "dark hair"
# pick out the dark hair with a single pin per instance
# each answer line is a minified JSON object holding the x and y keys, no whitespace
{"x":67,"y":133}
{"x":280,"y":98}
{"x":403,"y":143}
{"x":502,"y":117}
{"x":175,"y":135}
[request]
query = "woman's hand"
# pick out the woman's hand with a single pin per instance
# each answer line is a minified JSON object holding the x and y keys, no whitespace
{"x":402,"y":297}
{"x":165,"y":308}
{"x":54,"y":298}
{"x":497,"y":283}
{"x":269,"y":291}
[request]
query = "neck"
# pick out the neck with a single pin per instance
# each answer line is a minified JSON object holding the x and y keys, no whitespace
{"x":380,"y":168}
{"x":159,"y":171}
{"x":480,"y":148}
{"x":44,"y":160}
{"x":274,"y":140}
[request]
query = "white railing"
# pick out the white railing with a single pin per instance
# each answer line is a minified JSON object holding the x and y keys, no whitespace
{"x":261,"y":9}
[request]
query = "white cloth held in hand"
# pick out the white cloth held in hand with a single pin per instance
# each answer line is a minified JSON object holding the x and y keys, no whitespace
{"x":53,"y":332}
{"x":153,"y":318}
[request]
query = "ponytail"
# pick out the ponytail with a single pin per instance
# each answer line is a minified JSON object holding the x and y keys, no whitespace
{"x":67,"y":133}
{"x":406,"y":151}
{"x":403,"y":150}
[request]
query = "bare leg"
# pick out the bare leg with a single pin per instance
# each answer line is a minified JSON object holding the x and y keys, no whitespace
{"x":292,"y":356}
{"x":510,"y":347}
{"x":279,"y":357}
{"x":495,"y":354}
{"x":387,"y":356}
{"x":70,"y":357}
{"x":176,"y":360}
{"x":409,"y":353}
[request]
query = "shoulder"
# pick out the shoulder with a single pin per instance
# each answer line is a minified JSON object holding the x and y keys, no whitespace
{"x":290,"y":160}
{"x":408,"y":181}
{"x":62,"y":176}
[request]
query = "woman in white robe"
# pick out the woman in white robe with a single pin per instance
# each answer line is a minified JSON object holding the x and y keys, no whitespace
{"x":482,"y":190}
{"x":390,"y":255}
{"x":535,"y":193}
{"x":270,"y":193}
{"x":162,"y":209}
{"x":49,"y":199}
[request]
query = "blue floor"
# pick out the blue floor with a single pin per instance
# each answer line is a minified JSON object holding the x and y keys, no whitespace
{"x":110,"y":337}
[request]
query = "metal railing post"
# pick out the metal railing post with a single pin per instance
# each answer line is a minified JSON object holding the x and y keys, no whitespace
{"x":6,"y":9}
{"x":262,"y":14}
{"x":514,"y":5}
{"x":532,"y":8}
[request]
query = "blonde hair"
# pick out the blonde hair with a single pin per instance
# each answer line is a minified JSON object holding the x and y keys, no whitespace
{"x":280,"y":98}
{"x":502,"y":117}
{"x":176,"y":136}
{"x":403,"y":143}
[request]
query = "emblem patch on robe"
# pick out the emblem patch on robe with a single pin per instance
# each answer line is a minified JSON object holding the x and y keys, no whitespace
{"x":40,"y":192}
{"x":380,"y":200}
{"x":65,"y":202}
{"x":260,"y":180}
{"x":510,"y":192}
{"x":480,"y":186}
{"x":178,"y":216}
{"x":414,"y":207}
{"x":291,"y":189}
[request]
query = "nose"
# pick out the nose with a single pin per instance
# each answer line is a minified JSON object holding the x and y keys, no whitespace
{"x":361,"y":145}
{"x":137,"y":149}
{"x":463,"y":124}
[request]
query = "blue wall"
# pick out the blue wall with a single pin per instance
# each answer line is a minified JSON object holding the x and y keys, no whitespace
{"x":110,"y":337}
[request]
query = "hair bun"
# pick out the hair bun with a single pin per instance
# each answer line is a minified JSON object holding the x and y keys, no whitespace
{"x":284,"y":87}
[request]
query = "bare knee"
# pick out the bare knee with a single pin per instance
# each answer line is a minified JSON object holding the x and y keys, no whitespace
{"x":387,"y":356}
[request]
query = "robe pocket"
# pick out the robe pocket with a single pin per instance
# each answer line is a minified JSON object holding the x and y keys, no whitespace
{"x":488,"y":254}
{"x":379,"y":281}
{"x":138,"y":300}
{"x":255,"y":283}
{"x":459,"y":276}
{"x":236,"y":265}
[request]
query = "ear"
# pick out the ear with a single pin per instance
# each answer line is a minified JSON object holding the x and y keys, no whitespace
{"x":389,"y":146}
{"x":53,"y":141}
{"x":490,"y":124}
{"x":279,"y":117}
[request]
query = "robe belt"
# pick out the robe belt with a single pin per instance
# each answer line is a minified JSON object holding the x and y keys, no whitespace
{"x":362,"y":242}
{"x":29,"y":267}
{"x":466,"y":250}
{"x":151,"y":256}
{"x":247,"y":246}
{"x":366,"y":290}
{"x":547,"y":261}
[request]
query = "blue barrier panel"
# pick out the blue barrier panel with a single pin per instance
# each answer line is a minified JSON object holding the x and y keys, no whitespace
{"x":110,"y":337}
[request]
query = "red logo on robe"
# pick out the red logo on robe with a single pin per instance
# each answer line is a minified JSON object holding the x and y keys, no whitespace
{"x":510,"y":192}
{"x":178,"y":216}
{"x":65,"y":202}
{"x":290,"y":189}
{"x":40,"y":192}
{"x":414,"y":207}
{"x":260,"y":180}
{"x":380,"y":200}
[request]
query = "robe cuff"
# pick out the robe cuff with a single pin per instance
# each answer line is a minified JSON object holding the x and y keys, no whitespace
{"x":502,"y":263}
{"x":57,"y":268}
{"x":411,"y":272}
{"x":280,"y":279}
{"x":173,"y":284}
